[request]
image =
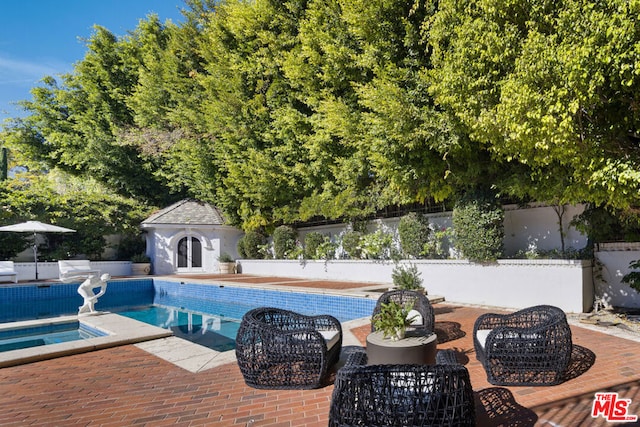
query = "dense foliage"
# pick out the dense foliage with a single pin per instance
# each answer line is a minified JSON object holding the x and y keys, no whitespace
{"x":280,"y":111}
{"x":284,"y":242}
{"x":251,"y":244}
{"x":82,"y":206}
{"x":479,"y":229}
{"x":312,"y":242}
{"x":413,"y":231}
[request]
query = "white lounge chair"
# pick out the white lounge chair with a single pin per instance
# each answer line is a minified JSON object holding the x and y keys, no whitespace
{"x":77,"y":269}
{"x":7,"y":270}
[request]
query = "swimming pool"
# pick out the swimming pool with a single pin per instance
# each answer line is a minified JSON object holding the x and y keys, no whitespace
{"x":26,"y":302}
{"x":55,"y":333}
{"x":48,"y":302}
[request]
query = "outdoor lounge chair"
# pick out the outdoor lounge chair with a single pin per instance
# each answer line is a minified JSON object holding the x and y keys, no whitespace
{"x":422,"y":309}
{"x":402,"y":395}
{"x":7,"y":270}
{"x":529,"y":347}
{"x":281,"y":349}
{"x":74,"y":270}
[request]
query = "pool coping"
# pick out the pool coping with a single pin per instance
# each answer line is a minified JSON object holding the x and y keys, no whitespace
{"x":121,"y":330}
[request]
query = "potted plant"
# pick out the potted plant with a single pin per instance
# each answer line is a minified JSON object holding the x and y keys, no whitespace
{"x":407,"y":278}
{"x":393,"y":319}
{"x":226,"y":263}
{"x":140,"y":264}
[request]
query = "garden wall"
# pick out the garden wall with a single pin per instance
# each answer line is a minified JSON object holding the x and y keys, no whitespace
{"x":513,"y":284}
{"x":612,"y":264}
{"x":533,"y":227}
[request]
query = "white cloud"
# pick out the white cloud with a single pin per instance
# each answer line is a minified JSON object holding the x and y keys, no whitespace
{"x":14,"y":71}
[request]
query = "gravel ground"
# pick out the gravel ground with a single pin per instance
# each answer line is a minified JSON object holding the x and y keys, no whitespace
{"x":610,"y":320}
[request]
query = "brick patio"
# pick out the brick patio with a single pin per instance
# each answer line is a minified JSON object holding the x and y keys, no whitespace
{"x":127,"y":386}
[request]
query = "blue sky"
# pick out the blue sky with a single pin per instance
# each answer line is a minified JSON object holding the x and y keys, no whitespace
{"x":43,"y":37}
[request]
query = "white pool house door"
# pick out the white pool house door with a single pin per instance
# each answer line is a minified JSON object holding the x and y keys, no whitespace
{"x":189,"y":254}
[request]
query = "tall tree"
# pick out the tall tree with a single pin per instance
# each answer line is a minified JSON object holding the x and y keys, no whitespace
{"x":258,"y":130}
{"x":549,"y":87}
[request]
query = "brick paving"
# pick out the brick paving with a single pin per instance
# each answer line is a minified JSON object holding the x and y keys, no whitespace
{"x":126,"y":386}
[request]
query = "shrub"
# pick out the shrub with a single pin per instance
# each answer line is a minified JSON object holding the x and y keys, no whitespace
{"x":602,"y":224}
{"x":377,"y":245}
{"x":413,"y":230}
{"x":130,"y":245}
{"x":351,"y":244}
{"x":311,"y":243}
{"x":284,"y":241}
{"x":11,"y":244}
{"x":633,"y":277}
{"x":225,"y":257}
{"x":479,"y":229}
{"x":407,"y":278}
{"x":438,"y":244}
{"x":326,"y":250}
{"x":249,"y":246}
{"x":140,"y":258}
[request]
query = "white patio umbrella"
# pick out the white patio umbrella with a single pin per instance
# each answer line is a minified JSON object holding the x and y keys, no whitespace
{"x":35,"y":227}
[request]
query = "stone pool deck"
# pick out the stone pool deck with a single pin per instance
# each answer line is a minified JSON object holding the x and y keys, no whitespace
{"x":127,"y":385}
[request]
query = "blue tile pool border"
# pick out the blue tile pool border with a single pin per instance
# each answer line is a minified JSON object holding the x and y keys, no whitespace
{"x":120,"y":291}
{"x":340,"y":306}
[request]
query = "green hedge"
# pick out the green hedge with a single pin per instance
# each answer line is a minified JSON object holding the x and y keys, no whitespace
{"x":479,"y":229}
{"x":413,"y":230}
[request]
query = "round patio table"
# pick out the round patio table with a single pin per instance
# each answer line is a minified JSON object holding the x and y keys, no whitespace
{"x":416,"y":348}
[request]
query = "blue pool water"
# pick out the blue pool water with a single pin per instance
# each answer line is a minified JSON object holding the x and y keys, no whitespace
{"x":206,"y":313}
{"x":213,"y":331}
{"x":15,"y":339}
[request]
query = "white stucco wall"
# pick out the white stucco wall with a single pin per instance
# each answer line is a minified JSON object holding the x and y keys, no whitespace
{"x":524,"y":228}
{"x":612,"y":264}
{"x":507,"y":283}
{"x":537,"y":227}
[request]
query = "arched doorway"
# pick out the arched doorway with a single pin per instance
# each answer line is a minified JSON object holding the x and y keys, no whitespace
{"x":189,"y":254}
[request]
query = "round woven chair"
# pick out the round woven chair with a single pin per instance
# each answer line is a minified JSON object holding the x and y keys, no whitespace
{"x":401,"y":395}
{"x":281,"y":349}
{"x":420,"y":303}
{"x":529,"y":347}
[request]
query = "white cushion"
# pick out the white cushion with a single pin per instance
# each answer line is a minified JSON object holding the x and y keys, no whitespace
{"x":482,"y":335}
{"x":417,"y":320}
{"x":331,"y":338}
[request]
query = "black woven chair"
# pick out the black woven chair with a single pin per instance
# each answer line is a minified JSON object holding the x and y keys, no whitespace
{"x":281,"y":349}
{"x":420,"y":304}
{"x":402,"y":395}
{"x":529,"y":347}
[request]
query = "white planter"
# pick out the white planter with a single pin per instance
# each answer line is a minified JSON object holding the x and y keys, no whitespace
{"x":140,"y":268}
{"x":515,"y":284}
{"x":227,"y":267}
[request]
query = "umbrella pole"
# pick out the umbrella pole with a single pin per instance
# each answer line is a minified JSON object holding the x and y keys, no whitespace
{"x":35,"y":253}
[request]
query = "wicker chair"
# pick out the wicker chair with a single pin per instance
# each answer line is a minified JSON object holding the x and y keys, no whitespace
{"x":421,"y":305}
{"x":402,"y":395}
{"x":281,"y":349}
{"x":529,"y":347}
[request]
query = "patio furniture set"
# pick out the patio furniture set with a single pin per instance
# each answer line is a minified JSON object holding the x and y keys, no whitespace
{"x":70,"y":270}
{"x":401,"y":384}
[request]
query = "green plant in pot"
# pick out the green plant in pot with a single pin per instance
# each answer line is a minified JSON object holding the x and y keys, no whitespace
{"x":393,"y":319}
{"x":140,"y":264}
{"x":407,"y":278}
{"x":226,"y":263}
